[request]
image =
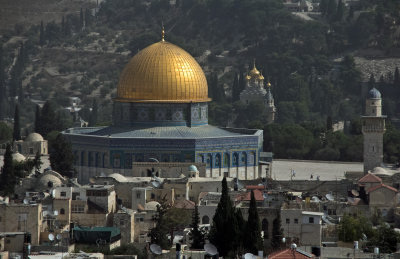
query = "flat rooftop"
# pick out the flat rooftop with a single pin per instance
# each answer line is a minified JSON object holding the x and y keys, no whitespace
{"x":326,"y":170}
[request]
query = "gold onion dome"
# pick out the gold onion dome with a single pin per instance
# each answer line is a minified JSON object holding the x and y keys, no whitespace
{"x":261,"y":77}
{"x":162,"y":72}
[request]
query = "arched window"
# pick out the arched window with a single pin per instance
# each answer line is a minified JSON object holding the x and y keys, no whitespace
{"x":226,"y":160}
{"x":244,"y":158}
{"x":264,"y":227}
{"x":62,"y":211}
{"x":209,"y":161}
{"x":235,"y":159}
{"x":218,"y":160}
{"x":205,"y":220}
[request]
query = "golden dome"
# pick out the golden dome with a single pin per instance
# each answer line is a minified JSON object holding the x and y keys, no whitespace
{"x":261,"y":77}
{"x":162,"y":72}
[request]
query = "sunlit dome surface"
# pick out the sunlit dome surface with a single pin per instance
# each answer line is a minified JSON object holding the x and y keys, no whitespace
{"x":162,"y":72}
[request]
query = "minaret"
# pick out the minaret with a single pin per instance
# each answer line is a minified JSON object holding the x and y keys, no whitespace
{"x":373,"y":127}
{"x":270,"y":105}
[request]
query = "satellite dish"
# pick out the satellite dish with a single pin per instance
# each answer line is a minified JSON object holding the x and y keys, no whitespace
{"x":364,"y":237}
{"x":249,"y":256}
{"x":329,"y":197}
{"x":152,"y":159}
{"x":59,"y":237}
{"x":350,"y":200}
{"x":92,"y":181}
{"x":155,"y":184}
{"x":51,"y":237}
{"x":315,"y":199}
{"x":26,"y":201}
{"x":210,"y":249}
{"x":55,"y":213}
{"x":355,"y":193}
{"x":293,"y":246}
{"x":155,"y":249}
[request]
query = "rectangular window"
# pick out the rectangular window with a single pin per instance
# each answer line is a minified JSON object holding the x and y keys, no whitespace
{"x":138,"y":195}
{"x":287,"y":221}
{"x":63,"y":194}
{"x":78,"y":209}
{"x":311,"y":220}
{"x":296,"y":221}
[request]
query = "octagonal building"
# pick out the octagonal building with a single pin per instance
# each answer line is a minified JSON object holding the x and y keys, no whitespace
{"x":161,"y":112}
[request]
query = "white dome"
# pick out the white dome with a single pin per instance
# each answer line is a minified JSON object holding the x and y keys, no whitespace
{"x":45,"y":179}
{"x":18,"y":157}
{"x":118,"y":177}
{"x":34,"y":137}
{"x":193,"y":169}
{"x":152,"y":205}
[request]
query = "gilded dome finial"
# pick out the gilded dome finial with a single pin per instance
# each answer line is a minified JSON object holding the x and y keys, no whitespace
{"x":162,"y":32}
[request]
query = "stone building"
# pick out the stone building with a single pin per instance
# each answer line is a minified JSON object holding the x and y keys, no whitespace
{"x":373,"y":128}
{"x":161,"y":112}
{"x":32,"y":144}
{"x":256,"y":92}
{"x":124,"y":219}
{"x":18,"y":217}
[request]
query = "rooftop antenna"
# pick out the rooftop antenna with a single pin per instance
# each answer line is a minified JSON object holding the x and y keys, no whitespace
{"x":210,"y":249}
{"x":155,"y":249}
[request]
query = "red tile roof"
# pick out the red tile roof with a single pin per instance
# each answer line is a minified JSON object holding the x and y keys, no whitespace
{"x":370,"y":178}
{"x":258,"y":195}
{"x":290,"y":254}
{"x":184,"y":204}
{"x":374,"y":188}
{"x":255,"y":187}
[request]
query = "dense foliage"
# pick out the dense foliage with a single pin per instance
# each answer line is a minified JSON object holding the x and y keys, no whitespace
{"x":61,"y":156}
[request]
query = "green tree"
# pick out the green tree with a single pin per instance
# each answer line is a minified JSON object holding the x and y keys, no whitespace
{"x":42,"y":38}
{"x":396,"y":81}
{"x":235,"y":88}
{"x":6,"y":132}
{"x":37,"y":126}
{"x":351,"y":228}
{"x":222,"y":233}
{"x":8,"y":178}
{"x":252,"y":236}
{"x":159,"y":233}
{"x":47,"y":119}
{"x":61,"y":156}
{"x":196,"y":234}
{"x":93,"y":114}
{"x":37,"y":162}
{"x":340,"y":11}
{"x":17,"y":126}
{"x":385,"y":238}
{"x":277,"y":232}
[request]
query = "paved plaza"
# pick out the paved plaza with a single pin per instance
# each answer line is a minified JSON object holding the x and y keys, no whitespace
{"x":282,"y":169}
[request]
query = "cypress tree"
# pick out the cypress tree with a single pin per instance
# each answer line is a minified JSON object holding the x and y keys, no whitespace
{"x":37,"y":120}
{"x":222,"y":233}
{"x":159,"y":233}
{"x":277,"y":232}
{"x":87,"y":17}
{"x":196,"y":234}
{"x":41,"y":34}
{"x":252,"y":238}
{"x":8,"y":178}
{"x":17,"y":126}
{"x":81,"y":21}
{"x":37,"y":162}
{"x":48,"y":119}
{"x":240,"y":225}
{"x":331,"y":9}
{"x":396,"y":81}
{"x":340,"y":11}
{"x":235,"y":88}
{"x":93,"y":114}
{"x":3,"y":91}
{"x":61,"y":156}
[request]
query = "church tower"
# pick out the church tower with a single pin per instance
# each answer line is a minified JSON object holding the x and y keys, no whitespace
{"x":255,"y":91}
{"x":373,"y":127}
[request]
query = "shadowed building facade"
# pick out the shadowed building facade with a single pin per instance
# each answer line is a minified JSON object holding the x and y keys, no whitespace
{"x":161,"y":112}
